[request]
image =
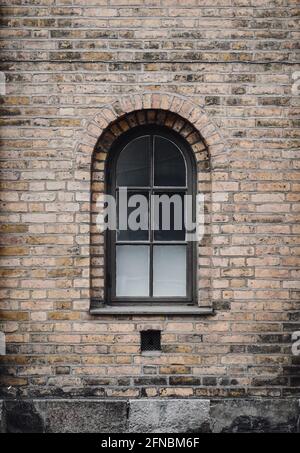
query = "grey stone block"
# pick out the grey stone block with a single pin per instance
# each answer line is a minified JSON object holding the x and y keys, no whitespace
{"x":255,"y":416}
{"x":169,"y":416}
{"x":22,"y":417}
{"x":65,"y":416}
{"x":84,"y":416}
{"x":1,"y":418}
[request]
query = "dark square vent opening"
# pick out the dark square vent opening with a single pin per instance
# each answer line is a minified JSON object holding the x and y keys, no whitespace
{"x":151,"y":340}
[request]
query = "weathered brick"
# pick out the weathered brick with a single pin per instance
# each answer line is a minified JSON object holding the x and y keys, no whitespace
{"x":184,"y":65}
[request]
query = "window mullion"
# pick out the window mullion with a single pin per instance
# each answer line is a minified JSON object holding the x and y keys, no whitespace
{"x":152,"y":144}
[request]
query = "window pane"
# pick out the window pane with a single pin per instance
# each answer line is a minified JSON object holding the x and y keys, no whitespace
{"x":169,"y":164}
{"x":133,"y":167}
{"x":132,"y":270}
{"x":133,"y":211}
{"x":169,"y":271}
{"x":168,"y":212}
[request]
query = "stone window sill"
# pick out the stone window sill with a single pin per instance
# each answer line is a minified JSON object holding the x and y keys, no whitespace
{"x":102,"y":310}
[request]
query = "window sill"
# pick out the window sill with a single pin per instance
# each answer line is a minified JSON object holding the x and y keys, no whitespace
{"x":151,"y":310}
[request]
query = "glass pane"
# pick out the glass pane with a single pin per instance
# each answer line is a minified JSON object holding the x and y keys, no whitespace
{"x":133,"y":211}
{"x":168,"y":213}
{"x":169,"y":164}
{"x":133,"y":167}
{"x":169,"y":271}
{"x":132,"y":270}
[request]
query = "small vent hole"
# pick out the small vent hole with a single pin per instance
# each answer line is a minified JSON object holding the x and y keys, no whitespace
{"x":151,"y":340}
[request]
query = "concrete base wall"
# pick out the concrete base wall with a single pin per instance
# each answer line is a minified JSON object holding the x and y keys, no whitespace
{"x":150,"y":416}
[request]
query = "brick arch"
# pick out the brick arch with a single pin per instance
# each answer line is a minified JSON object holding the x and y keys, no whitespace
{"x":178,"y":114}
{"x":176,"y":104}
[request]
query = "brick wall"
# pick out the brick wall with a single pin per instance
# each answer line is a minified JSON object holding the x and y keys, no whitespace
{"x":233,"y":60}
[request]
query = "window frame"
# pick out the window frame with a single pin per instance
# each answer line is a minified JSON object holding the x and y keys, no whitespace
{"x":110,"y":236}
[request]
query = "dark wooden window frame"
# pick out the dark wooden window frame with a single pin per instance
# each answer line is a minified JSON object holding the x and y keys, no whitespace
{"x":110,"y":239}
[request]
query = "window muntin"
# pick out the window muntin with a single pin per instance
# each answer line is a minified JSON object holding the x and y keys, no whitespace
{"x":152,"y":265}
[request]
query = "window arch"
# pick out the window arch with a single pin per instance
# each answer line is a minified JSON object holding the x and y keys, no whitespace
{"x":155,"y":263}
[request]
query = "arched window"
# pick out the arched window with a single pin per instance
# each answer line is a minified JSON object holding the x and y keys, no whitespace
{"x":150,"y":172}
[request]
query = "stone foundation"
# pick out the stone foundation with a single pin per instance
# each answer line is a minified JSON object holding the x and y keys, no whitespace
{"x":150,"y":416}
